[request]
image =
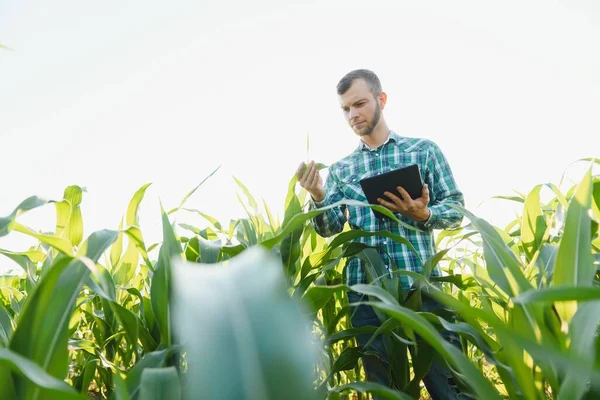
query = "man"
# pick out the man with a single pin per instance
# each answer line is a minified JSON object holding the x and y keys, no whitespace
{"x":380,"y":150}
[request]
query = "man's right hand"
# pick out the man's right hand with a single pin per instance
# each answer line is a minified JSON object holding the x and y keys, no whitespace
{"x":310,"y":179}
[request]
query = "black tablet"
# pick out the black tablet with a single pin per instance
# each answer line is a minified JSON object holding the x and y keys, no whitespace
{"x":408,"y":177}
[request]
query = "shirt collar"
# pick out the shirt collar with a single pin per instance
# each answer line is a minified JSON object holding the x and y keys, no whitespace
{"x":393,"y":136}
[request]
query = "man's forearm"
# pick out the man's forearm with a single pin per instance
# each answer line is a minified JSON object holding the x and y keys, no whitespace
{"x":330,"y":222}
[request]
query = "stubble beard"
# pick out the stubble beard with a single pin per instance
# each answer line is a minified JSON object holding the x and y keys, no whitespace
{"x":368,"y":129}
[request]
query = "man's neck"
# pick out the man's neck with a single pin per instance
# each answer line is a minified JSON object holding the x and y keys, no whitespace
{"x":378,"y":136}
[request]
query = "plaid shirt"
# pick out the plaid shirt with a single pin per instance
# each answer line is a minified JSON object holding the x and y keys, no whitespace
{"x":343,"y":183}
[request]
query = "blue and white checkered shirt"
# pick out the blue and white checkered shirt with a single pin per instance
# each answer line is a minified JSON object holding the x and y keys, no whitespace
{"x":343,"y":183}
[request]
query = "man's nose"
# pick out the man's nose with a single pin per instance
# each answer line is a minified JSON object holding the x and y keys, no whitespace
{"x":353,"y":113}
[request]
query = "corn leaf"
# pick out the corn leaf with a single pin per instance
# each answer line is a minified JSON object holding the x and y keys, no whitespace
{"x":42,"y":326}
{"x":160,"y":383}
{"x":161,"y":280}
{"x":574,"y":265}
{"x":21,"y":366}
{"x":424,"y":329}
{"x":233,"y":348}
{"x":7,"y":223}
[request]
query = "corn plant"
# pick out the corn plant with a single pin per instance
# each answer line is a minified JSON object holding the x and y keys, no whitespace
{"x":107,"y":316}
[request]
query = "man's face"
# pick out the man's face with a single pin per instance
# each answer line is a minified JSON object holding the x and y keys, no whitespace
{"x":361,"y":109}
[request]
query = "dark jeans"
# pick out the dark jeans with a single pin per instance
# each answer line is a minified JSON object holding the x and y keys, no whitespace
{"x":438,"y":381}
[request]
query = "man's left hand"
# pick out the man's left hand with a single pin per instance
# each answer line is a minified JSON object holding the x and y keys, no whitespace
{"x":415,"y":209}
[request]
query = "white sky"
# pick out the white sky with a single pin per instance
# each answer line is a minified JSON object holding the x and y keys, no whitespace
{"x":113,"y":94}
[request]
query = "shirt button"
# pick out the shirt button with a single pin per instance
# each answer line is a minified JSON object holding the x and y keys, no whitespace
{"x":376,"y":154}
{"x":385,"y":242}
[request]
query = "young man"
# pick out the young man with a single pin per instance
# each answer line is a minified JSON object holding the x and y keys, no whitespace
{"x":380,"y":150}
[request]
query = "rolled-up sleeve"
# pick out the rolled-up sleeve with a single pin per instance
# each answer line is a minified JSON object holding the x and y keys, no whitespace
{"x":443,"y":191}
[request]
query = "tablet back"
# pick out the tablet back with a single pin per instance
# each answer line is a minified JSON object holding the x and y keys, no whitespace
{"x":408,"y":177}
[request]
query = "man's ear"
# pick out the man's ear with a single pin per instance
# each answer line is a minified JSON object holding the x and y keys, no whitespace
{"x":382,"y":99}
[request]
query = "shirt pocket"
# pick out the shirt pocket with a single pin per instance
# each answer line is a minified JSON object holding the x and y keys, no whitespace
{"x":351,"y":188}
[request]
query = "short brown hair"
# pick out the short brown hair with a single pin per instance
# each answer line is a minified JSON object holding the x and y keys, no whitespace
{"x":369,"y":77}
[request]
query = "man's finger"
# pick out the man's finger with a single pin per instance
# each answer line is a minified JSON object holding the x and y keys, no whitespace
{"x":314,"y":176}
{"x":391,"y":206}
{"x":425,"y":193}
{"x":393,"y":198}
{"x":302,"y":181}
{"x":404,"y":194}
{"x":309,"y":170}
{"x":300,"y":170}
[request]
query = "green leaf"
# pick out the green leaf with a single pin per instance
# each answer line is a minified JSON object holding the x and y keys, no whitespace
{"x":451,"y":354}
{"x":120,"y":392}
{"x":155,"y":359}
{"x":89,"y":370}
{"x":209,"y":250}
{"x":421,"y":363}
{"x":300,"y":219}
{"x":207,"y":217}
{"x":388,"y":327}
{"x":233,"y":348}
{"x":191,"y":228}
{"x":503,"y":266}
{"x":583,"y":331}
{"x":546,"y":262}
{"x":61,"y":244}
{"x":272,"y":222}
{"x":511,"y":198}
{"x":63,"y":214}
{"x":574,"y":265}
{"x":116,"y":250}
{"x":464,"y":329}
{"x":191,"y":192}
{"x":533,"y":223}
{"x":375,"y":267}
{"x":159,"y":384}
{"x":559,"y":196}
{"x":161,"y":281}
{"x":42,"y":326}
{"x":350,"y":333}
{"x":24,"y":259}
{"x":290,"y":244}
{"x":192,"y":249}
{"x":74,"y":228}
{"x":130,"y":323}
{"x":7,"y":223}
{"x":347,"y":360}
{"x":356,"y":233}
{"x":433,"y":261}
{"x":131,"y":218}
{"x":317,"y":296}
{"x":136,"y":241}
{"x":251,"y":199}
{"x":82,"y":344}
{"x":6,"y":328}
{"x":22,"y":366}
{"x":514,"y":342}
{"x":554,"y":294}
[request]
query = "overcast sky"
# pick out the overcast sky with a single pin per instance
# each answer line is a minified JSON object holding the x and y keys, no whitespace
{"x":114,"y":94}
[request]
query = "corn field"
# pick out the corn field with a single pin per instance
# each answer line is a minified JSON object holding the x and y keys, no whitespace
{"x":258,"y":309}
